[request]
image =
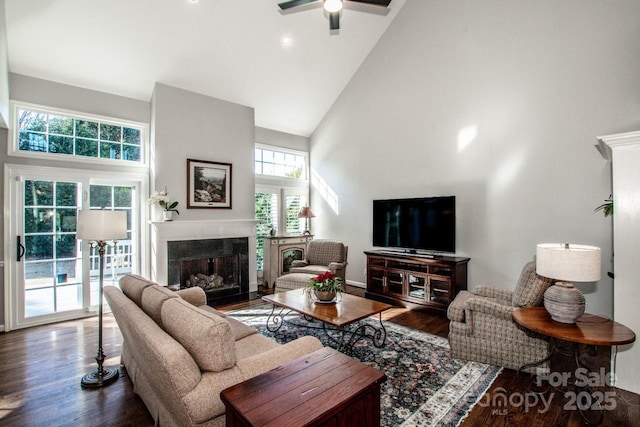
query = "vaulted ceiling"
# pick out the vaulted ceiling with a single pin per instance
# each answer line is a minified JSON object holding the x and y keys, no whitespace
{"x":228,"y":49}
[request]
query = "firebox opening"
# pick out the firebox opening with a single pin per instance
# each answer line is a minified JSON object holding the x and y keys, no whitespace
{"x":210,"y":273}
{"x":219,"y":266}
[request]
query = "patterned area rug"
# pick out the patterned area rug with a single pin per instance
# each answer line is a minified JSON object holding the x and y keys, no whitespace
{"x":424,"y":387}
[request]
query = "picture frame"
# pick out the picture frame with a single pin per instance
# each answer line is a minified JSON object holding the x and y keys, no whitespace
{"x":208,"y":185}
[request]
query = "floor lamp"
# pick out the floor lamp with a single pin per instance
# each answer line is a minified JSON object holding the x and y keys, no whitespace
{"x":98,"y":226}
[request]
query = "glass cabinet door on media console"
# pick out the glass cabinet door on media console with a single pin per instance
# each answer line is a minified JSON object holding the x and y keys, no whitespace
{"x":418,"y":286}
{"x":394,"y":282}
{"x":415,"y":281}
{"x":375,"y":274}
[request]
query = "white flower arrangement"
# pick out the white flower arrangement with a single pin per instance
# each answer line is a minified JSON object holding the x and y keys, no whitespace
{"x":161,"y":198}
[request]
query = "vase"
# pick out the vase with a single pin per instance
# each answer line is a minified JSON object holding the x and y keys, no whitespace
{"x":325,"y":296}
{"x":167,"y":215}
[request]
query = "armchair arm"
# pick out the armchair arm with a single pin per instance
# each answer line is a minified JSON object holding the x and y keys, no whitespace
{"x":335,"y":267}
{"x":299,"y":263}
{"x":195,"y":296}
{"x":491,"y":307}
{"x":491,"y":292}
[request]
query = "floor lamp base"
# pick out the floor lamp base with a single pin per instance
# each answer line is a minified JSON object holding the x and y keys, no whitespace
{"x":95,"y":380}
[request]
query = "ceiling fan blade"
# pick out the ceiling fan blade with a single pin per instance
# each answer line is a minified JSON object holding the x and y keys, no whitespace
{"x":334,"y":21}
{"x":384,"y":3}
{"x":294,"y":3}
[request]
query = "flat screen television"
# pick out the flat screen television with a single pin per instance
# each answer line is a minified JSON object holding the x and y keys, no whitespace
{"x":419,"y":224}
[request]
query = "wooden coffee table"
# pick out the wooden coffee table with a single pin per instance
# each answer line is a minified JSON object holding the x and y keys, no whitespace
{"x":341,"y":316}
{"x":324,"y":388}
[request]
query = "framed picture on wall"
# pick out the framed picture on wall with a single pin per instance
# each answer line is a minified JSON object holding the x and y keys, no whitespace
{"x":208,"y":184}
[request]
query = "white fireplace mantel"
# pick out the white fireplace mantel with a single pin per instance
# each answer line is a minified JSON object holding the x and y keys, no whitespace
{"x":167,"y":231}
{"x":624,"y":152}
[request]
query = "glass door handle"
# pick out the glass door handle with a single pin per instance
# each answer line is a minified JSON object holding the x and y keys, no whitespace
{"x":21,"y":249}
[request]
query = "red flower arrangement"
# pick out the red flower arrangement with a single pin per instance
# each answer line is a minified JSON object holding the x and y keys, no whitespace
{"x":325,"y":282}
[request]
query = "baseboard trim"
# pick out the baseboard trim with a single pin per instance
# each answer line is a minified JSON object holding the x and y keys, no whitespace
{"x":356,"y":284}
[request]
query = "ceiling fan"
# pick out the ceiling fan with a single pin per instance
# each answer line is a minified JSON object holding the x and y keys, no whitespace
{"x":332,"y":6}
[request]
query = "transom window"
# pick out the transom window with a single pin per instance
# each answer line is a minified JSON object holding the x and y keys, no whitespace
{"x":54,"y":133}
{"x":281,"y":163}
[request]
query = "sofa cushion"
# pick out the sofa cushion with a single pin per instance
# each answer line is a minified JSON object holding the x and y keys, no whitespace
{"x":207,"y":337}
{"x":153,"y":297}
{"x":133,"y":285}
{"x":239,"y":329}
{"x":530,"y":288}
{"x":211,"y":309}
{"x":293,"y":281}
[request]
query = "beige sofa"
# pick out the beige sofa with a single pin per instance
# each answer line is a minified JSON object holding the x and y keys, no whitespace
{"x":180,"y":353}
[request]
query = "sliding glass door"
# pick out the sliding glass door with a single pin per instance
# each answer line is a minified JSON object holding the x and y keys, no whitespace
{"x":51,"y":258}
{"x":52,"y":275}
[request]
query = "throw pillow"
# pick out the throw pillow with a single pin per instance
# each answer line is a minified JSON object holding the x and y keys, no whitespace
{"x":207,"y":337}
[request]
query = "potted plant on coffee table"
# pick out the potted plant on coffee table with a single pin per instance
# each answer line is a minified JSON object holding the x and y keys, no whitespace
{"x":325,"y":287}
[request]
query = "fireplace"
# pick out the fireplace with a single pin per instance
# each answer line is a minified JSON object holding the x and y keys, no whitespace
{"x":219,"y":266}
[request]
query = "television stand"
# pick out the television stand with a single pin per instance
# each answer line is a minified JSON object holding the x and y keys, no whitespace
{"x":417,"y":281}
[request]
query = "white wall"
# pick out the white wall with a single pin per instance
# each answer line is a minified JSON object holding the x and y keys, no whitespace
{"x":538,"y":81}
{"x":282,"y":139}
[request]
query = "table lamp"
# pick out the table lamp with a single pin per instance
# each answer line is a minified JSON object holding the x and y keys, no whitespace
{"x":306,"y":213}
{"x":567,"y":263}
{"x":98,"y":226}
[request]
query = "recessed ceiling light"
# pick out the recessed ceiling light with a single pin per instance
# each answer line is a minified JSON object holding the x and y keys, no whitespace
{"x":332,"y":5}
{"x":193,"y":1}
{"x":286,"y":40}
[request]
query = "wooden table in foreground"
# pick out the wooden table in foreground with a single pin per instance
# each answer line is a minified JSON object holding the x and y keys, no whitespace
{"x":325,"y":388}
{"x":591,"y":330}
{"x":347,"y":311}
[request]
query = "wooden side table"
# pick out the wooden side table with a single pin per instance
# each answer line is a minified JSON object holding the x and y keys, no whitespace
{"x":325,"y":388}
{"x":590,"y":330}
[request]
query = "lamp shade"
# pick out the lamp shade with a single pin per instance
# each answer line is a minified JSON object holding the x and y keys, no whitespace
{"x":305,"y":212}
{"x":568,"y":262}
{"x":101,"y":225}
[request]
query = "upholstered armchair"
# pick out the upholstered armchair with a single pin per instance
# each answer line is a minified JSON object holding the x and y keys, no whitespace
{"x":323,"y":255}
{"x":482,"y":328}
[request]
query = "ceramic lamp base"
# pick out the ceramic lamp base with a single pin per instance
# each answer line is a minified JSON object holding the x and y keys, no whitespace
{"x":564,"y":302}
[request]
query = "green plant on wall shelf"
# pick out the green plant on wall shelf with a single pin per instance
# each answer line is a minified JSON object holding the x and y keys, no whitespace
{"x":606,"y":207}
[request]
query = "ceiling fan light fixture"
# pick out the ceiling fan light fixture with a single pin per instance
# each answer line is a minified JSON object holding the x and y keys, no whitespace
{"x":332,"y":6}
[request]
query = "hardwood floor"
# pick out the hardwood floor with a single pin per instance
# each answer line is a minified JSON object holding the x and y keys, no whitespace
{"x":41,"y":368}
{"x":40,"y":372}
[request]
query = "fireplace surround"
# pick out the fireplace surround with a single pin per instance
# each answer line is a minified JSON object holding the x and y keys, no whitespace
{"x":211,"y":245}
{"x":225,"y":261}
